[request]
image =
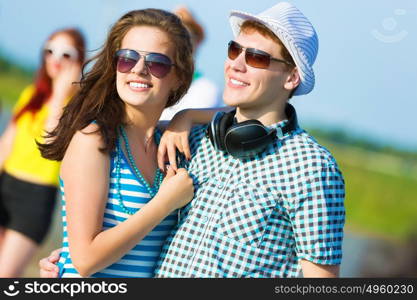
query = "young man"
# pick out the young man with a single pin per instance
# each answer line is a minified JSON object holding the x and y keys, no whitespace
{"x":268,"y":199}
{"x":277,"y":206}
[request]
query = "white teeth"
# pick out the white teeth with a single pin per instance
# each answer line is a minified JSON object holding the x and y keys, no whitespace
{"x":138,"y":85}
{"x":237,"y":82}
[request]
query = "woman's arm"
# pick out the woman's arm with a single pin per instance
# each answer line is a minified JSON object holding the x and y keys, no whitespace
{"x":177,"y":133}
{"x":85,"y":171}
{"x":6,"y":143}
{"x":200,"y":115}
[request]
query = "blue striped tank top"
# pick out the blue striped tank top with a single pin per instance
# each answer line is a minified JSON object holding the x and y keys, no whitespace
{"x":141,"y":260}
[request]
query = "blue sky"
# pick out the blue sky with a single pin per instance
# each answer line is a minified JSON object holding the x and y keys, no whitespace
{"x":366,"y":70}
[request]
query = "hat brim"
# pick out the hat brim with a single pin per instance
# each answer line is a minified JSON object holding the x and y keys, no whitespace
{"x":307,"y":77}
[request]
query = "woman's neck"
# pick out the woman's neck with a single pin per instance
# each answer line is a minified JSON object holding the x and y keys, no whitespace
{"x":141,"y":124}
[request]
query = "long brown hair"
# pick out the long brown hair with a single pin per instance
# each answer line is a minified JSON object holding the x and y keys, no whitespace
{"x":98,"y":100}
{"x":43,"y":83}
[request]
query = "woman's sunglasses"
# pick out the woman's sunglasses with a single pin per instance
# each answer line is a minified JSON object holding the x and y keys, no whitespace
{"x":157,"y":64}
{"x":61,"y":52}
{"x":253,"y":57}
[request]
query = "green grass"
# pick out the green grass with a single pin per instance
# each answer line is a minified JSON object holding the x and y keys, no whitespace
{"x":381,"y":191}
{"x":11,"y":87}
{"x":13,"y":79}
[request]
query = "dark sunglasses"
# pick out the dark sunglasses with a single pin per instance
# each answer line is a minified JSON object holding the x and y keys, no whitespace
{"x":157,"y":64}
{"x":253,"y":57}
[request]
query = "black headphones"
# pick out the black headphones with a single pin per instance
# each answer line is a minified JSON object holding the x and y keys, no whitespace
{"x":248,"y":138}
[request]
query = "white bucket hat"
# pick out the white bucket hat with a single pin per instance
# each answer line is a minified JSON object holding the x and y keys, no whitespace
{"x":296,"y":33}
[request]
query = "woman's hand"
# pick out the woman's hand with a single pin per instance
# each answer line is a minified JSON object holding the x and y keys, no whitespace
{"x":177,"y":189}
{"x":47,"y":265}
{"x":177,"y":133}
{"x":63,"y":85}
{"x":175,"y":137}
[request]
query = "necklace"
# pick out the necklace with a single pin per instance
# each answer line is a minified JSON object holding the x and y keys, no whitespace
{"x":159,"y":176}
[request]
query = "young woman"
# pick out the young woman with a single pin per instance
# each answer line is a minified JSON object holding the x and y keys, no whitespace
{"x":117,"y":210}
{"x":28,"y":182}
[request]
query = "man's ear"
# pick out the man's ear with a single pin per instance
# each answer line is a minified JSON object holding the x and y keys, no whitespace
{"x":293,"y":79}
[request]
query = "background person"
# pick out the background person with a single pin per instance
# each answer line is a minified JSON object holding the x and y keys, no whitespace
{"x":203,"y":93}
{"x":28,"y":182}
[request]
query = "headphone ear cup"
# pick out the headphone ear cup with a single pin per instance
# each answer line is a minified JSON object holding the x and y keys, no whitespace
{"x":224,"y":124}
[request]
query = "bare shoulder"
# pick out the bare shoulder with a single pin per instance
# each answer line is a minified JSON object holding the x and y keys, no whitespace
{"x":84,"y":151}
{"x":91,"y":128}
{"x":88,"y":137}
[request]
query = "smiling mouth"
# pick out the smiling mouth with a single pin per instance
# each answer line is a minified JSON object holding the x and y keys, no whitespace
{"x":139,"y":85}
{"x":237,"y":82}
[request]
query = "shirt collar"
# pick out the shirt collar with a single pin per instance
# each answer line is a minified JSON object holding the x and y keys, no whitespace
{"x":279,"y":126}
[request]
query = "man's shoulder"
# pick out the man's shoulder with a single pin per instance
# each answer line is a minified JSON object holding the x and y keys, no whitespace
{"x":303,"y":151}
{"x":300,"y":160}
{"x":307,"y":142}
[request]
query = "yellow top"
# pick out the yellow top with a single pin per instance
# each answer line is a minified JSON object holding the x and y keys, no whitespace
{"x":25,"y":161}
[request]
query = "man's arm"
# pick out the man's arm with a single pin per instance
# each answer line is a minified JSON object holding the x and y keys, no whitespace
{"x":311,"y":269}
{"x":318,"y":218}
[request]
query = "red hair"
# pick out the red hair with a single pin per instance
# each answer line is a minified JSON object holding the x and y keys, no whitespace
{"x":43,"y":83}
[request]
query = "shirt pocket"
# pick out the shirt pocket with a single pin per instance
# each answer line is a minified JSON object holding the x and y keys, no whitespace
{"x":245,"y":215}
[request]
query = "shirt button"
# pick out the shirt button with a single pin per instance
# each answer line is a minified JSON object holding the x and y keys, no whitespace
{"x":205,"y":220}
{"x":220,"y":186}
